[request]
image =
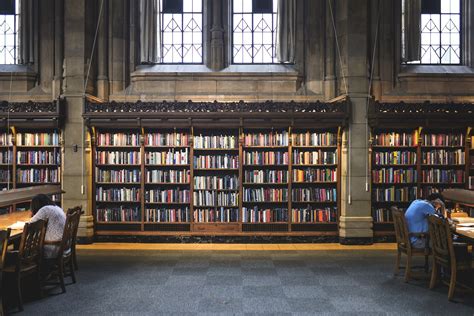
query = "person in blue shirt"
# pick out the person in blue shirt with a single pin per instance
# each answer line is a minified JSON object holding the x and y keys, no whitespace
{"x":417,"y":217}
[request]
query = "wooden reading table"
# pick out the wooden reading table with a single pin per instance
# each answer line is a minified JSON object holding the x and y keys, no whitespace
{"x":466,"y":198}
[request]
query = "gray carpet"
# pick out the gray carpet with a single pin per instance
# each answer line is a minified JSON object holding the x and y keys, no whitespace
{"x":245,"y":282}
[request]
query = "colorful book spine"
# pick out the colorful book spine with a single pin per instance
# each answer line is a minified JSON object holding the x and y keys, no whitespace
{"x":444,"y":157}
{"x":168,"y":176}
{"x":119,"y":214}
{"x":167,"y":139}
{"x":167,"y":215}
{"x":395,"y":158}
{"x":118,"y":139}
{"x":229,"y":182}
{"x":265,"y":158}
{"x":314,"y":195}
{"x":314,"y":139}
{"x":37,"y":139}
{"x":266,"y":139}
{"x":442,"y":176}
{"x":406,"y":194}
{"x":443,"y":140}
{"x":264,"y":215}
{"x":35,"y":175}
{"x":391,"y":175}
{"x":314,"y":157}
{"x":39,"y":157}
{"x":6,"y":139}
{"x":396,"y":139}
{"x":168,"y":196}
{"x":265,"y":195}
{"x":314,"y":175}
{"x":117,"y":176}
{"x":118,"y":157}
{"x":6,"y":157}
{"x":383,"y":215}
{"x":314,"y":215}
{"x":117,"y":194}
{"x":171,"y":157}
{"x":216,"y":215}
{"x":265,"y":176}
{"x":216,"y":162}
{"x":215,"y":142}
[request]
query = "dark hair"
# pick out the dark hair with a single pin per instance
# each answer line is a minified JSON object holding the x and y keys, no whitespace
{"x":38,"y":201}
{"x":434,"y":196}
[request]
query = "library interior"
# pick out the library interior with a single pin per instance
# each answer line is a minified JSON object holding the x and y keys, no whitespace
{"x":237,"y":157}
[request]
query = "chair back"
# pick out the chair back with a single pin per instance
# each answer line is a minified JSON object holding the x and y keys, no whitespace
{"x":31,"y":244}
{"x":4,"y":235}
{"x":77,"y":211}
{"x":401,"y":228}
{"x":442,"y":241}
{"x":67,"y":241}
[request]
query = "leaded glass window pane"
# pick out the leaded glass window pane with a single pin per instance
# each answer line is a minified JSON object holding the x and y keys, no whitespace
{"x":9,"y":19}
{"x":254,"y":31}
{"x":181,"y":31}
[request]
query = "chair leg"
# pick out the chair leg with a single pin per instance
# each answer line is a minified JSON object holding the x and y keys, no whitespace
{"x":20,"y":299}
{"x":426,"y":264}
{"x":74,"y":259}
{"x":397,"y":263}
{"x":61,"y":276}
{"x":73,"y":274}
{"x":434,"y":275}
{"x":452,"y":283}
{"x":408,"y":268}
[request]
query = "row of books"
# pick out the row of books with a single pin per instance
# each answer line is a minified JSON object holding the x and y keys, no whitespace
{"x":167,"y":139}
{"x":5,"y":175}
{"x":314,"y":195}
{"x":215,"y":141}
{"x":117,"y":176}
{"x":167,"y":215}
{"x":314,"y":175}
{"x":396,"y":139}
{"x":117,"y":194}
{"x":176,"y":195}
{"x":170,"y":157}
{"x":228,"y":182}
{"x":443,"y":139}
{"x":471,"y":182}
{"x":38,"y":157}
{"x":442,"y":176}
{"x":118,"y":157}
{"x":395,"y":158}
{"x":405,"y":194}
{"x":118,"y":139}
{"x":391,"y":175}
{"x":266,"y":139}
{"x":216,"y":162}
{"x":265,"y":195}
{"x":258,"y":215}
{"x":6,"y":157}
{"x":444,"y":157}
{"x":168,"y":176}
{"x":35,"y":175}
{"x":314,"y":139}
{"x":265,"y":158}
{"x":213,"y":198}
{"x":219,"y":214}
{"x":37,"y":139}
{"x":427,"y":190}
{"x":266,"y":176}
{"x":6,"y":139}
{"x":314,"y":157}
{"x":317,"y":215}
{"x":383,"y":215}
{"x":119,"y":214}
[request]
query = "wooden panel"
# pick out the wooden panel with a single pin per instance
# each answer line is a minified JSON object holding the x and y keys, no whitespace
{"x":216,"y":227}
{"x":15,"y":196}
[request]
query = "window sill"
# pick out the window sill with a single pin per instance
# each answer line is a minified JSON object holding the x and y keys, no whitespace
{"x":408,"y":71}
{"x":16,"y":69}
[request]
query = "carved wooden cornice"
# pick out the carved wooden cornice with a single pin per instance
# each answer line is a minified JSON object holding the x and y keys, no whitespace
{"x":233,"y":113}
{"x":23,"y":114}
{"x":435,"y":115}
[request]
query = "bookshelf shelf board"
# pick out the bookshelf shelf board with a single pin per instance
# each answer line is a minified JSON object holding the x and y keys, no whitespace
{"x":117,"y":222}
{"x":5,"y":146}
{"x":315,"y":223}
{"x":5,"y":182}
{"x":313,"y":182}
{"x":252,"y":166}
{"x":313,"y":147}
{"x":205,"y":206}
{"x":394,"y":165}
{"x":167,"y":166}
{"x":6,"y":165}
{"x":167,"y":203}
{"x":391,"y":202}
{"x":118,"y":183}
{"x":38,"y":146}
{"x":217,"y":222}
{"x":37,"y":165}
{"x":167,"y":183}
{"x":216,"y":169}
{"x":314,"y":165}
{"x":262,"y":223}
{"x":265,"y":147}
{"x":393,"y":183}
{"x":216,"y":149}
{"x":442,"y":147}
{"x":37,"y":183}
{"x":219,"y":190}
{"x":117,"y":165}
{"x":442,"y":183}
{"x":117,"y":202}
{"x":453,"y":166}
{"x":165,"y":147}
{"x":314,"y":202}
{"x":267,"y":202}
{"x":212,"y":232}
{"x":167,"y":223}
{"x":397,"y":148}
{"x":265,"y":184}
{"x":117,"y":146}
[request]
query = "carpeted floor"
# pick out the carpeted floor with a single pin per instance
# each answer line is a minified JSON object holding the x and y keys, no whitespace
{"x":245,"y":282}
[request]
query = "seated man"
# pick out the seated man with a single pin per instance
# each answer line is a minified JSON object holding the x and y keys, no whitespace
{"x":417,"y":217}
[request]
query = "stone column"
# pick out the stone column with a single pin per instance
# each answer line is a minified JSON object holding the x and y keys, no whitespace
{"x":102,"y":51}
{"x":74,"y":175}
{"x":116,"y":52}
{"x":216,"y":61}
{"x":330,"y":80}
{"x":356,"y":220}
{"x":376,"y":15}
{"x":58,"y":47}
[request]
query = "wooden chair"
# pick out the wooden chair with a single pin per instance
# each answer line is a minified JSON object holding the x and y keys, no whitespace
{"x":4,"y":235}
{"x":445,"y":255}
{"x":27,"y":259}
{"x":404,"y":245}
{"x":78,"y":211}
{"x":64,"y":263}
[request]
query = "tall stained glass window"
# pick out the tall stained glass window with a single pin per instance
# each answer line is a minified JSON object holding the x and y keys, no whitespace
{"x":9,"y":18}
{"x":180,"y":36}
{"x":254,"y":30}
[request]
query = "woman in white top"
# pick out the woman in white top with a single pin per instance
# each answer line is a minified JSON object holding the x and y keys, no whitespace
{"x":44,"y":208}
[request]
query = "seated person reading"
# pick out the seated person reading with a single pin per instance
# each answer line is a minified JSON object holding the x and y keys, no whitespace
{"x":42,"y":207}
{"x":417,"y":217}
